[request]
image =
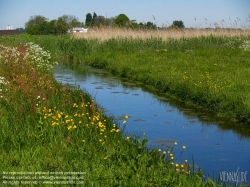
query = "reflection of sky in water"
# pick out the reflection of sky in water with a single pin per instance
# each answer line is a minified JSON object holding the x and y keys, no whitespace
{"x":213,"y":149}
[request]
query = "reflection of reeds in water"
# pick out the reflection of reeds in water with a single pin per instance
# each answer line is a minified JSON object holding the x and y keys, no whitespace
{"x":108,"y":33}
{"x":168,"y":144}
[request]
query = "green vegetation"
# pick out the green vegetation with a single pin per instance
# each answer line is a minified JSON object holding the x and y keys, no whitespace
{"x":122,"y":20}
{"x":48,"y":127}
{"x":40,"y":25}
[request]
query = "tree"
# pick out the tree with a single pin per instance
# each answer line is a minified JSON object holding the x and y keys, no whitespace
{"x":109,"y":21}
{"x":94,"y":17}
{"x":122,"y":21}
{"x":21,"y":29}
{"x":70,"y":21}
{"x":134,"y":24}
{"x":150,"y":25}
{"x":32,"y":25}
{"x":99,"y":20}
{"x":179,"y":24}
{"x":88,"y":20}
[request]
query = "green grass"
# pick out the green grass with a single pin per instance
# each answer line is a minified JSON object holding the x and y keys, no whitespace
{"x":64,"y":130}
{"x":211,"y":72}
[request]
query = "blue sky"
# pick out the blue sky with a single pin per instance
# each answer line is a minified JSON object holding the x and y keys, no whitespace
{"x":17,"y":12}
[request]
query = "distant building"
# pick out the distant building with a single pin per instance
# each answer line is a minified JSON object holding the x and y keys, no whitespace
{"x":10,"y":32}
{"x":9,"y":27}
{"x":78,"y":29}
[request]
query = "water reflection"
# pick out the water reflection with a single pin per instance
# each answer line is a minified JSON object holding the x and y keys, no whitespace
{"x":214,"y":143}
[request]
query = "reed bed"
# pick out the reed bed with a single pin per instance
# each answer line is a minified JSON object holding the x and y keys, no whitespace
{"x":107,"y":33}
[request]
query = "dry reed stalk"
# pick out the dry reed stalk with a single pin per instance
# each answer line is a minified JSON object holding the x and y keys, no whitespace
{"x":108,"y":33}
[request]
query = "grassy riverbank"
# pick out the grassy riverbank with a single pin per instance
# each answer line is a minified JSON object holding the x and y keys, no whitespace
{"x":208,"y":68}
{"x":46,"y":127}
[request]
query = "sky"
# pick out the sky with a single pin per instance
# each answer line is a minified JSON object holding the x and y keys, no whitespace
{"x":193,"y":13}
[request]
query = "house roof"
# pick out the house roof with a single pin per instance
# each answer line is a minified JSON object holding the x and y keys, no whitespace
{"x":10,"y":32}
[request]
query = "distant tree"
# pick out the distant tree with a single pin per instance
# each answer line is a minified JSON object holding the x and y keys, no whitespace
{"x":52,"y":26}
{"x":21,"y":29}
{"x":99,"y":20}
{"x":61,"y":26}
{"x":122,"y":20}
{"x":150,"y":25}
{"x":134,"y":24}
{"x":179,"y":24}
{"x":88,"y":20}
{"x":109,"y":21}
{"x":70,"y":21}
{"x":93,"y":18}
{"x":32,"y":25}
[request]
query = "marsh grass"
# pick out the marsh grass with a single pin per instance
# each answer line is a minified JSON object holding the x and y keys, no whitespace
{"x":103,"y":34}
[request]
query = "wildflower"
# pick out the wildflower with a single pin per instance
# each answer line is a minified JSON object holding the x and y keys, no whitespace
{"x":117,"y":130}
{"x":164,"y":152}
{"x":69,"y":127}
{"x":124,"y":122}
{"x":177,"y":165}
{"x":74,"y":126}
{"x":172,"y":163}
{"x":83,"y":141}
{"x":127,"y":137}
{"x":159,"y":150}
{"x":175,"y":143}
{"x":105,"y":158}
{"x":184,"y":147}
{"x":126,"y":117}
{"x":186,"y":161}
{"x":188,"y":172}
{"x":172,"y":158}
{"x":182,"y":165}
{"x":80,"y":122}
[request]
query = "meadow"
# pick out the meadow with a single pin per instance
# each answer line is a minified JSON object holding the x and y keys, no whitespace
{"x":49,"y":127}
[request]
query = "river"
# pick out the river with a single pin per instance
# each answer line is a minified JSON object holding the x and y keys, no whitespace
{"x":215,"y":145}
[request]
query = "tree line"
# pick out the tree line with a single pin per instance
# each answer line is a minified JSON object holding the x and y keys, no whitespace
{"x":40,"y":25}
